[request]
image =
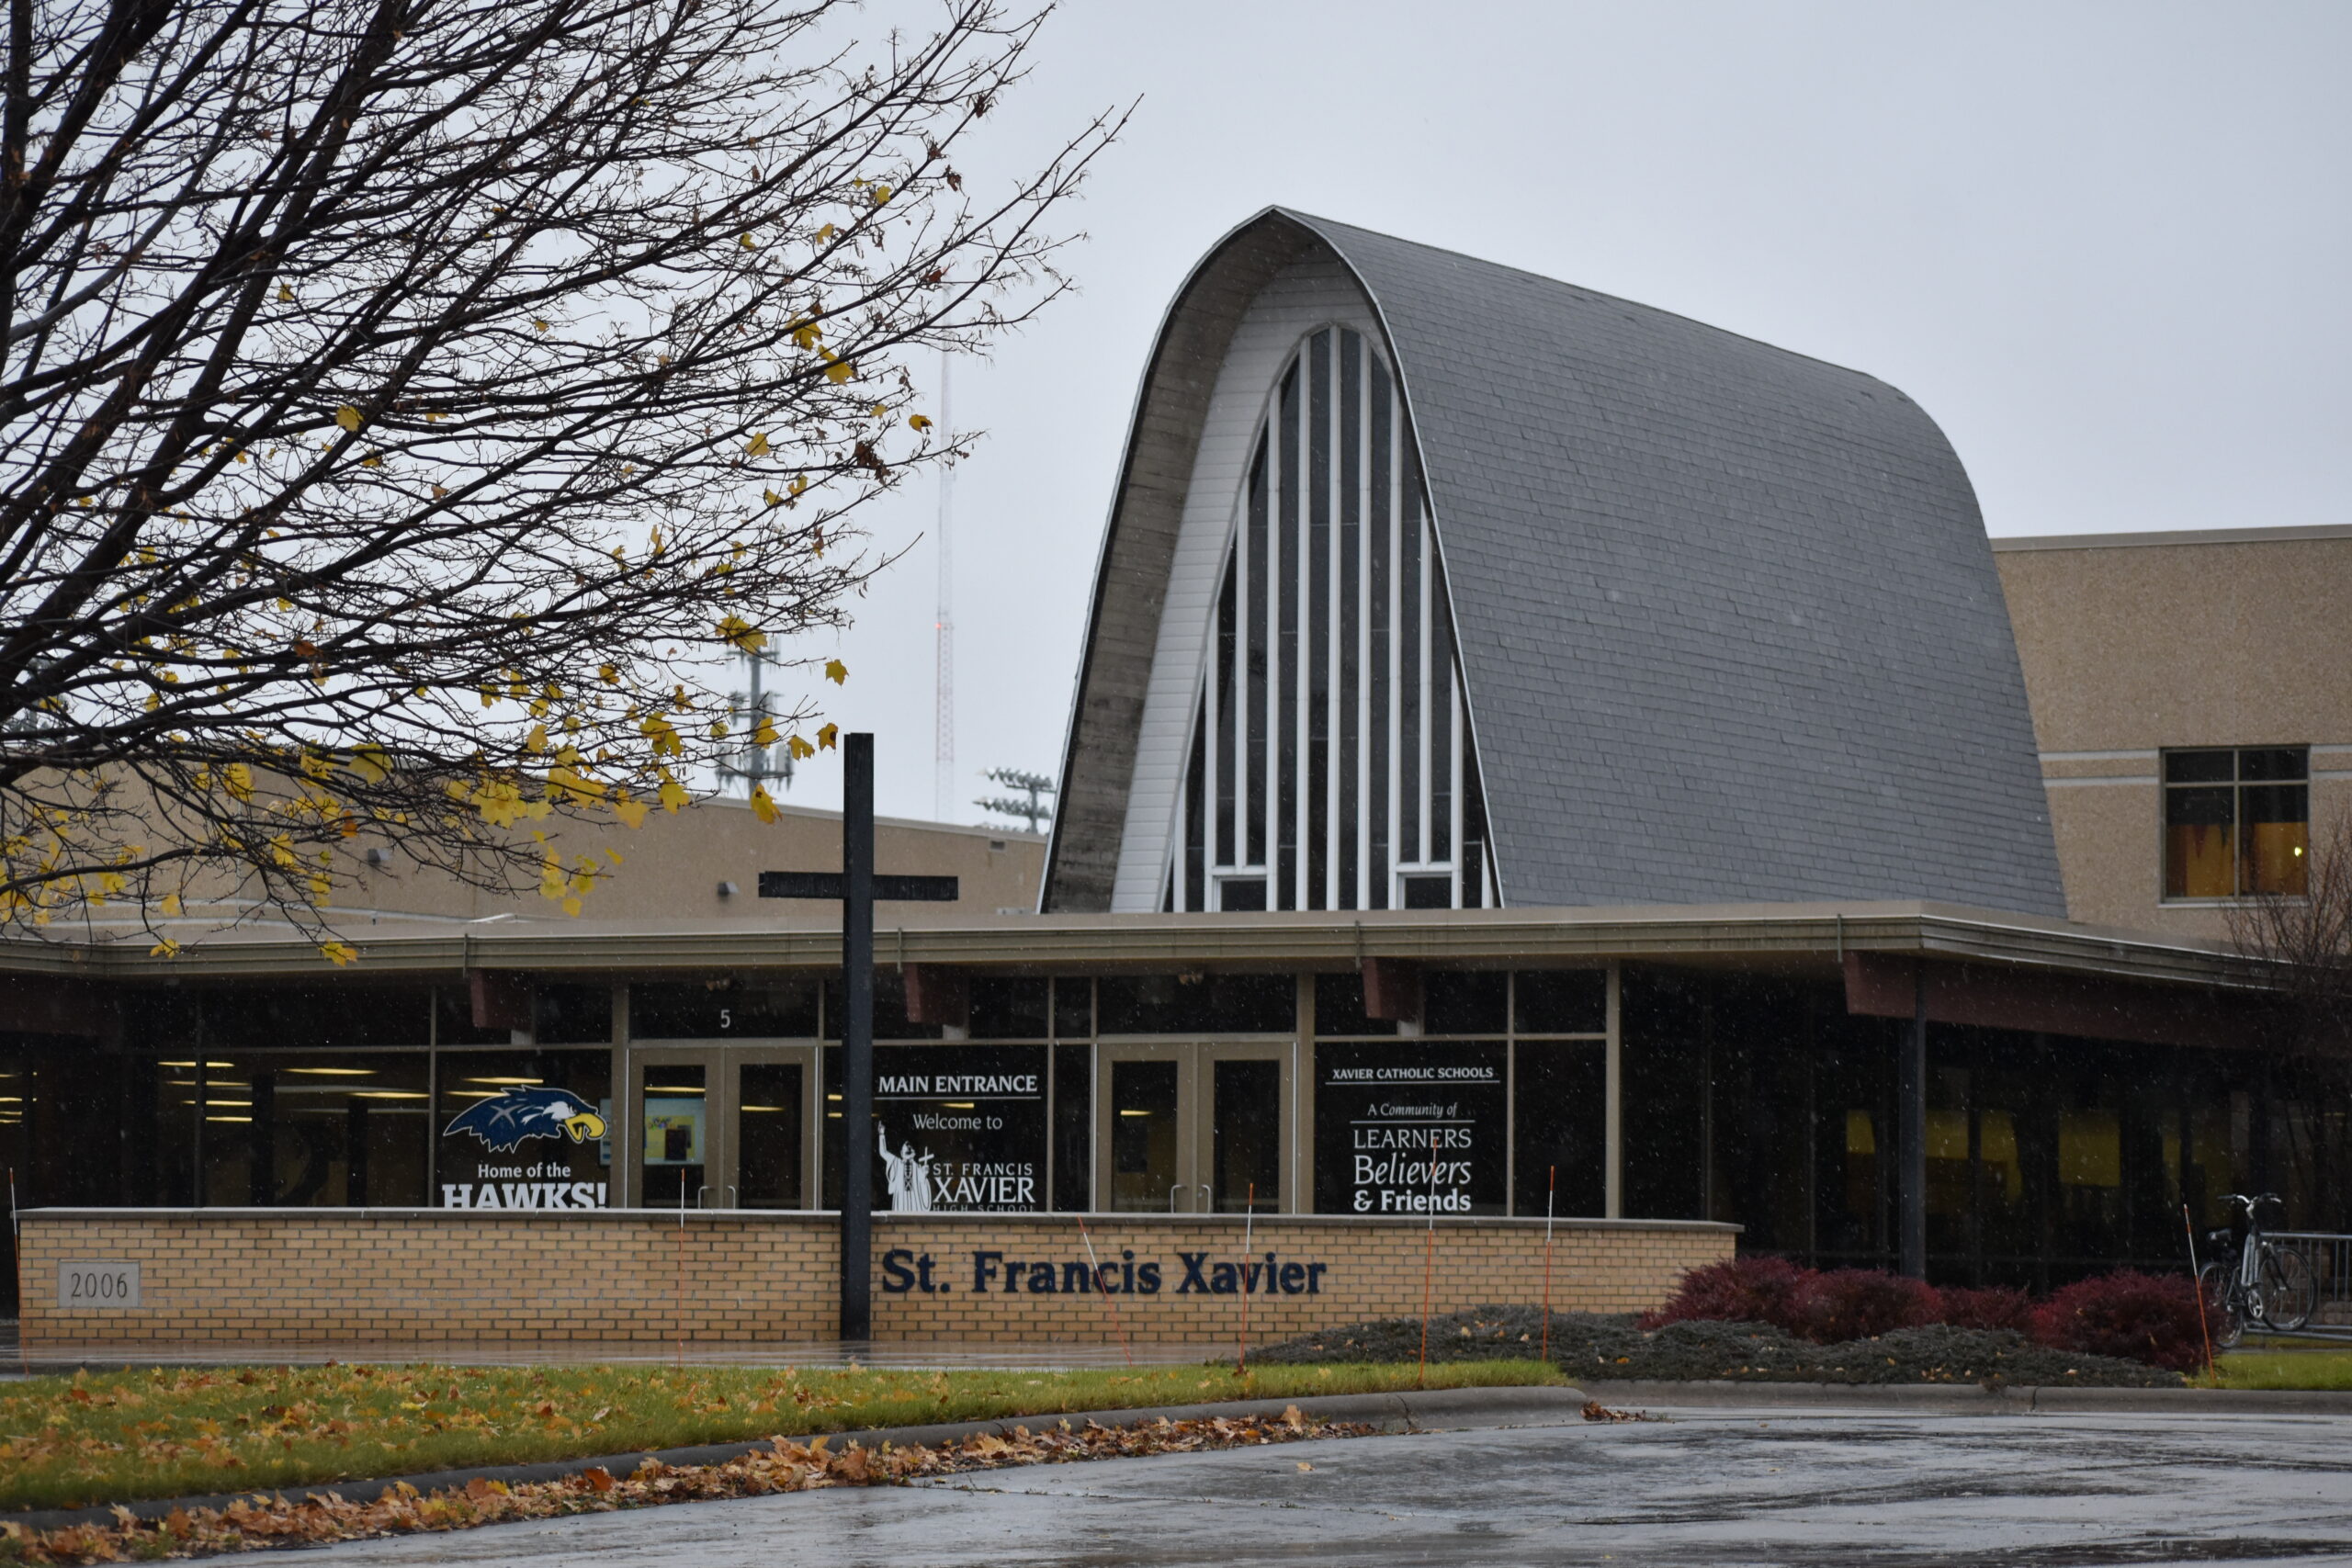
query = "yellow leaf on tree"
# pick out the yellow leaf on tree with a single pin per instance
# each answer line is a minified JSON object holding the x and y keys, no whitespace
{"x":347,"y":417}
{"x":918,"y":422}
{"x":285,"y":294}
{"x":763,"y":733}
{"x":630,"y":812}
{"x":171,"y":904}
{"x":571,"y":906}
{"x":673,"y":796}
{"x":166,"y":948}
{"x":839,"y":371}
{"x":827,"y":736}
{"x":608,"y":675}
{"x":338,"y":952}
{"x":758,"y":445}
{"x":799,"y":747}
{"x":746,"y":242}
{"x":742,"y":634}
{"x":239,"y":780}
{"x":836,"y":671}
{"x":761,"y":807}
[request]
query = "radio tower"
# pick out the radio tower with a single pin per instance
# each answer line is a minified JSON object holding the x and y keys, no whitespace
{"x":942,"y":742}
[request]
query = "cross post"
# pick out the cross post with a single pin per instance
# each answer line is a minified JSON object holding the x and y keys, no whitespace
{"x":857,"y":887}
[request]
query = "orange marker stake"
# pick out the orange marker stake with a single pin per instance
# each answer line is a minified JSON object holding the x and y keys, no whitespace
{"x":2189,"y":1225}
{"x":1428,"y":1267}
{"x":1550,"y":1193}
{"x":1248,"y":1223}
{"x":1108,"y":1299}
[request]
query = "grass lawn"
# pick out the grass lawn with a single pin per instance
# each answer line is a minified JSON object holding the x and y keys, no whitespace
{"x":163,"y":1432}
{"x":2287,"y":1369}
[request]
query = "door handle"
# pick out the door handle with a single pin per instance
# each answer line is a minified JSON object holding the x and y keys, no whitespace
{"x":699,"y":1192}
{"x":1175,"y":1191}
{"x":1206,"y":1206}
{"x":734,"y":1199}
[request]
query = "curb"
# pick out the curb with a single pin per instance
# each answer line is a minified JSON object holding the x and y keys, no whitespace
{"x":1461,"y":1407}
{"x":1971,"y":1399}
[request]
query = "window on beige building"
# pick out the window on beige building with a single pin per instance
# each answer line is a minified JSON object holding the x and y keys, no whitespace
{"x":2237,"y":821}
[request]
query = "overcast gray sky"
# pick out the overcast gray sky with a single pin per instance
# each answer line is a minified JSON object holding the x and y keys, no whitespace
{"x":2105,"y":245}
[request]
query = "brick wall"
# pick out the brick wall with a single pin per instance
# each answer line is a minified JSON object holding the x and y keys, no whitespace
{"x":421,"y":1275}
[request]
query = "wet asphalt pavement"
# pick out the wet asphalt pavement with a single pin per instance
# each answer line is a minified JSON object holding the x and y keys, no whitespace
{"x":1705,"y":1487}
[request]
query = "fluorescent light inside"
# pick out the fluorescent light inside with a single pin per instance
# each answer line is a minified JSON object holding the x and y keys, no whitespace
{"x":336,"y":1072}
{"x":506,"y":1080}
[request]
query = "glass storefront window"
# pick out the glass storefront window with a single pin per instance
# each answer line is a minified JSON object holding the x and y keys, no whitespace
{"x":957,"y":1128}
{"x":1560,"y":1105}
{"x":524,"y":1129}
{"x":1008,"y":1008}
{"x":1210,"y":1004}
{"x":1406,"y":1129}
{"x":1073,"y":1125}
{"x":298,"y":1129}
{"x":1073,"y":1008}
{"x":1560,"y":1001}
{"x":1455,"y":1001}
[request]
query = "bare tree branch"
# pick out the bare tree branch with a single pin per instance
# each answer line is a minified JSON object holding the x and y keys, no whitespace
{"x":2301,"y":945}
{"x":410,"y":407}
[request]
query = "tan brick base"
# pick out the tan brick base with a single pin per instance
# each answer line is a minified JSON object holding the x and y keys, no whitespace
{"x":316,"y":1277}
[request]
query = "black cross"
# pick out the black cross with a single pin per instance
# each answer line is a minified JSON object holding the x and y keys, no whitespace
{"x":857,"y":887}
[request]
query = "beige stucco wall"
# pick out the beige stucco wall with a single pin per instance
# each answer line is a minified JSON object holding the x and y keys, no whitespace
{"x":671,"y":866}
{"x":2133,"y":643}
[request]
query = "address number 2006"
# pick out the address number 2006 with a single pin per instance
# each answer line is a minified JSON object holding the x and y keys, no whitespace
{"x":97,"y":1287}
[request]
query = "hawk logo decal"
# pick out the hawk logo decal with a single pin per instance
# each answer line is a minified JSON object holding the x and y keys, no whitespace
{"x":502,"y":1123}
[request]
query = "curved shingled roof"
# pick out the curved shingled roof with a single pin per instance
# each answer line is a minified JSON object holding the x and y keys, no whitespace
{"x":1728,"y":619}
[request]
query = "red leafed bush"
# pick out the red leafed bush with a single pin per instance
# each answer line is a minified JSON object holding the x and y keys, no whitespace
{"x":1996,"y":1306}
{"x":2147,"y":1317}
{"x":1860,"y":1304}
{"x":1738,"y":1289}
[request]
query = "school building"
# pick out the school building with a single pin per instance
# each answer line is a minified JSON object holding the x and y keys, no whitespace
{"x":1532,"y":754}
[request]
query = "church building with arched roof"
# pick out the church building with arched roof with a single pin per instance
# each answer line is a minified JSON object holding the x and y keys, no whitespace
{"x":1430,"y":583}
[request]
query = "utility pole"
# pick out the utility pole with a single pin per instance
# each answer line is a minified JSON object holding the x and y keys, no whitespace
{"x":943,"y":743}
{"x":1037,"y":786}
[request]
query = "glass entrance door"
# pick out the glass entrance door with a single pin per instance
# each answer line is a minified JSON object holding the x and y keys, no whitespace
{"x":724,"y":1127}
{"x":769,"y":1123}
{"x":1194,"y":1128}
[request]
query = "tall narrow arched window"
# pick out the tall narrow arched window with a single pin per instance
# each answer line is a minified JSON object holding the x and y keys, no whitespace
{"x":1331,"y":765}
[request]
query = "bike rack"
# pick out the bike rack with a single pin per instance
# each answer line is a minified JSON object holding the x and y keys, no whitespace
{"x":2328,"y":1256}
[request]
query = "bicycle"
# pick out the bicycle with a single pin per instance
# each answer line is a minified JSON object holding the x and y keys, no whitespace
{"x":2254,"y":1284}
